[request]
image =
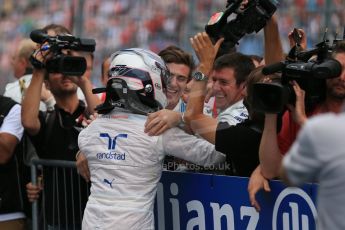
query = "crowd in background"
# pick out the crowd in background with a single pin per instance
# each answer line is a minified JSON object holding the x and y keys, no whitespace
{"x":152,"y":24}
{"x":248,"y":140}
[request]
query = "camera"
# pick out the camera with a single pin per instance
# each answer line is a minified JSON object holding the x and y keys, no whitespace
{"x":60,"y":62}
{"x":252,"y":18}
{"x":310,"y":74}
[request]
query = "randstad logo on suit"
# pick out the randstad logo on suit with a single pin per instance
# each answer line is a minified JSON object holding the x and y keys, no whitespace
{"x":112,"y":155}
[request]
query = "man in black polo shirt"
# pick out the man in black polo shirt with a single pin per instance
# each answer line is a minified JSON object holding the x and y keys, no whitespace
{"x":55,"y":133}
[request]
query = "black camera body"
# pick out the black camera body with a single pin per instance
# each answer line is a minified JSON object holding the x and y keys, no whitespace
{"x":62,"y":63}
{"x":311,"y":76}
{"x":252,"y":18}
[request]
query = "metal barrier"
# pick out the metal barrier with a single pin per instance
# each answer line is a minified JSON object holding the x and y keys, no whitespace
{"x":63,"y":197}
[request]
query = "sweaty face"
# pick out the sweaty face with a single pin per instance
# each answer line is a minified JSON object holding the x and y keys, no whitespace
{"x":336,"y":86}
{"x":178,"y":80}
{"x":225,"y":89}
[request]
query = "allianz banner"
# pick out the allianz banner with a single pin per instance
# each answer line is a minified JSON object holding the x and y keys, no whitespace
{"x":194,"y":201}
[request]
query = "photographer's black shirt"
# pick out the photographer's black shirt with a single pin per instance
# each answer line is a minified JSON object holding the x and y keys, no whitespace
{"x":241,"y":144}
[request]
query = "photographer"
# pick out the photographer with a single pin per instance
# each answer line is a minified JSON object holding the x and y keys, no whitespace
{"x":55,"y":134}
{"x":272,"y":145}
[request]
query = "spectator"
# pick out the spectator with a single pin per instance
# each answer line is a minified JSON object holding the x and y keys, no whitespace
{"x":229,"y":74}
{"x":180,"y":65}
{"x":114,"y":169}
{"x":55,"y":134}
{"x":226,"y":137}
{"x":223,"y":133}
{"x":22,"y":69}
{"x":12,"y":205}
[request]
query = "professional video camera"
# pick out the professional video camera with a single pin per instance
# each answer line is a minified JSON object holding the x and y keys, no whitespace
{"x":60,"y":62}
{"x":309,"y":73}
{"x":252,"y":18}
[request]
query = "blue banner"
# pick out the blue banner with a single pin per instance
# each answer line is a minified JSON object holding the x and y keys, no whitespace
{"x":201,"y":201}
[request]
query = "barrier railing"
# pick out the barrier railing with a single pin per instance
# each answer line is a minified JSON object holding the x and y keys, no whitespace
{"x":63,"y":196}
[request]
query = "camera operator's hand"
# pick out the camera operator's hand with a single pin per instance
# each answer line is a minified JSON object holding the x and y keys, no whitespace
{"x":298,"y":111}
{"x":40,"y":56}
{"x":256,"y":183}
{"x":84,"y":83}
{"x":303,"y":37}
{"x":243,"y":4}
{"x":205,"y":51}
{"x":83,"y":80}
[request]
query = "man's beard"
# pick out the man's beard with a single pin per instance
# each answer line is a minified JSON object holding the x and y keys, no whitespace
{"x":64,"y":92}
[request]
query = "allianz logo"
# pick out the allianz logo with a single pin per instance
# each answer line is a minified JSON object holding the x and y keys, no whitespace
{"x":293,"y":209}
{"x":220,"y":213}
{"x":290,"y":214}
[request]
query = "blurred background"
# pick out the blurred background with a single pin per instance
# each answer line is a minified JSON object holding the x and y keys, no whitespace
{"x":151,"y":24}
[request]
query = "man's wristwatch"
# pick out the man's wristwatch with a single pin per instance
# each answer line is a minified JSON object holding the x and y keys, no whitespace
{"x":199,"y":76}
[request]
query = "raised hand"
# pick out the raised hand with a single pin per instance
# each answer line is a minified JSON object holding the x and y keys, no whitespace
{"x":302,"y":38}
{"x":298,"y":111}
{"x":256,"y":183}
{"x":205,"y":50}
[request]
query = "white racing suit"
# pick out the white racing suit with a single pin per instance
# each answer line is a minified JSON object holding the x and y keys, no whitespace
{"x":126,"y":165}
